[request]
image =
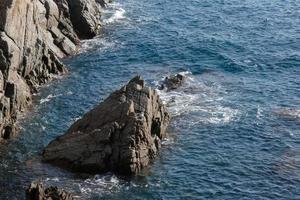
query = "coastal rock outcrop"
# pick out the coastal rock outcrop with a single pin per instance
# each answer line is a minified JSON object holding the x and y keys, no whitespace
{"x":38,"y":191}
{"x":172,"y":82}
{"x":34,"y":36}
{"x":122,"y":134}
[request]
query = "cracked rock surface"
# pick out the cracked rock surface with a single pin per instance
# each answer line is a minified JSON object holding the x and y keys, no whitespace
{"x":34,"y":36}
{"x":122,"y":134}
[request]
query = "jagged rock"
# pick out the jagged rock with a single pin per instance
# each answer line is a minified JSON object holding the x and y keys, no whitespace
{"x":37,"y":191}
{"x":34,"y":36}
{"x":86,"y":16}
{"x":172,"y":82}
{"x":122,"y":134}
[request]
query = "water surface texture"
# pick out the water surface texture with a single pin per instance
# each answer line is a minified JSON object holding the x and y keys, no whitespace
{"x":235,"y":132}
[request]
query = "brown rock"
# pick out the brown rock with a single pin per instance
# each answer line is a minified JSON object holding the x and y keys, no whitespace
{"x":37,"y":191}
{"x":122,"y":134}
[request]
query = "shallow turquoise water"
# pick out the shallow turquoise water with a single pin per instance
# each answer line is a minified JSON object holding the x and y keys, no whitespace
{"x":229,"y":138}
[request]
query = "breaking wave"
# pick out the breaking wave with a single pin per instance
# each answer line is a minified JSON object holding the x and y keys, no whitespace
{"x":49,"y":98}
{"x":98,"y":184}
{"x":113,"y":13}
{"x":199,"y":101}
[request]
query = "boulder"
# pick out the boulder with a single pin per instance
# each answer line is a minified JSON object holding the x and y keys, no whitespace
{"x":172,"y":82}
{"x":123,"y":134}
{"x":37,"y":191}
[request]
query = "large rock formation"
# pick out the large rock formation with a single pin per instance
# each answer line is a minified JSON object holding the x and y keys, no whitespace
{"x":37,"y":191}
{"x":34,"y":35}
{"x":122,"y":134}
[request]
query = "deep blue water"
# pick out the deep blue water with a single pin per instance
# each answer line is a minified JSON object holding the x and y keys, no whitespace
{"x":235,"y":132}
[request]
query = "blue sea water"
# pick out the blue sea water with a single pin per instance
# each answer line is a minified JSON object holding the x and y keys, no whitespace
{"x":235,"y":130}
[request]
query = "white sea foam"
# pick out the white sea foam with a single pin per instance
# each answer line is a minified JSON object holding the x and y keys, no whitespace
{"x":55,"y":179}
{"x":49,"y":98}
{"x":43,"y":127}
{"x":259,"y":113}
{"x":84,"y":189}
{"x":167,"y":141}
{"x":96,"y":43}
{"x":247,"y":61}
{"x":113,"y":13}
{"x":118,"y":15}
{"x":199,"y":101}
{"x":69,"y":93}
{"x":99,"y":184}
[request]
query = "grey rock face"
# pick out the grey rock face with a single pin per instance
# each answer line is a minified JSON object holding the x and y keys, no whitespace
{"x":37,"y":191}
{"x":122,"y":134}
{"x":87,"y":23}
{"x":34,"y":35}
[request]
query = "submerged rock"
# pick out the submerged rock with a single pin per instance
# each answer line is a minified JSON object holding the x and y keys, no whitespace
{"x":37,"y":191}
{"x":122,"y":134}
{"x":172,"y":82}
{"x":288,"y":113}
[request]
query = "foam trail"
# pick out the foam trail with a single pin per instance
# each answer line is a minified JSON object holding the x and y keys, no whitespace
{"x":49,"y":98}
{"x":198,"y":102}
{"x":96,"y":43}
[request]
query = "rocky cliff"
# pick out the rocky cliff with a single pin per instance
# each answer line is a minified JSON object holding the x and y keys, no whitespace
{"x":122,"y":134}
{"x":34,"y":36}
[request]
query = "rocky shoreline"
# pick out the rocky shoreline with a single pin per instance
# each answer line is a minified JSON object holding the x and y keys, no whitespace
{"x":34,"y":36}
{"x":123,"y":134}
